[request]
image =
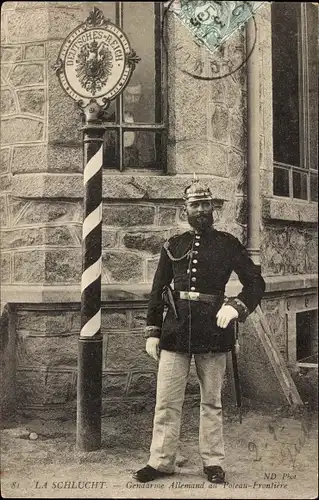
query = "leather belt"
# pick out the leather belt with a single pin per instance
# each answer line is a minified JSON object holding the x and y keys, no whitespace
{"x":204,"y":297}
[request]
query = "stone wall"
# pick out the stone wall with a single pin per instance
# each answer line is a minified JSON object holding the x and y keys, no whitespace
{"x":207,"y":122}
{"x":33,"y":229}
{"x":46,"y":352}
{"x":41,"y":202}
{"x":47,"y":358}
{"x":41,"y":155}
{"x":41,"y":206}
{"x":289,"y":249}
{"x":46,"y":338}
{"x":23,"y":120}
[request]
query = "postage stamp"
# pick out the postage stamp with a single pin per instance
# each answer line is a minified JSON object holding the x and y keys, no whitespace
{"x":211,"y":46}
{"x":213,"y":22}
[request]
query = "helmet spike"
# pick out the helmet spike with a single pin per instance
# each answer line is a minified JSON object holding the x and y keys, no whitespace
{"x":197,"y":191}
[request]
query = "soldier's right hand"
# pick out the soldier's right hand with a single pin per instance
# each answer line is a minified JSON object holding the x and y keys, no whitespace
{"x":152,"y":347}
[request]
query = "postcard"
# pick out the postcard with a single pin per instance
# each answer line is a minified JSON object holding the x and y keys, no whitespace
{"x":159,"y":196}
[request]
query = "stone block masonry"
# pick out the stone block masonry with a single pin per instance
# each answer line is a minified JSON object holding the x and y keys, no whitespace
{"x":39,"y":236}
{"x":289,"y":250}
{"x":42,"y":239}
{"x":24,"y":125}
{"x":46,"y":358}
{"x":41,"y":209}
{"x":46,"y":353}
{"x":41,"y":192}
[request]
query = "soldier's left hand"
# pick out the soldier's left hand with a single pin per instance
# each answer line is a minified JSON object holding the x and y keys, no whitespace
{"x":225,"y":315}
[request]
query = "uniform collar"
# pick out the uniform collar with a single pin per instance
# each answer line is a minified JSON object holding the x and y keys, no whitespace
{"x":209,"y":232}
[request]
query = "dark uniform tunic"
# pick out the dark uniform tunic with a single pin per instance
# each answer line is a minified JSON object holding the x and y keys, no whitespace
{"x":201,"y":263}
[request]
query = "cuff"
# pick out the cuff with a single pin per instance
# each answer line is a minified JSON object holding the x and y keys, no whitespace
{"x":152,"y":331}
{"x":240,"y":307}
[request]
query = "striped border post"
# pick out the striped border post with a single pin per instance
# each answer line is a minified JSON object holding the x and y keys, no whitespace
{"x":89,"y":384}
{"x":67,"y":67}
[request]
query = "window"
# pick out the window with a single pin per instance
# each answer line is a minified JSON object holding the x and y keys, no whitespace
{"x":135,"y":121}
{"x":307,"y":336}
{"x":295,"y":99}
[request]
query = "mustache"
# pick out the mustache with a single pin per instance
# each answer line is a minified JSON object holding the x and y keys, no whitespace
{"x":200,"y":219}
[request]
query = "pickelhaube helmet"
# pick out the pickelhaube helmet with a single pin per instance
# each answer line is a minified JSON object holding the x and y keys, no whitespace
{"x":197,"y":191}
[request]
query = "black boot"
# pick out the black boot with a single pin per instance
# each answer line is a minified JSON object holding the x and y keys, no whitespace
{"x":148,"y":473}
{"x":215,"y":474}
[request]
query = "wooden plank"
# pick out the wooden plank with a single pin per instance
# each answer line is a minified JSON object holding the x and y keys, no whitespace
{"x":263,"y":370}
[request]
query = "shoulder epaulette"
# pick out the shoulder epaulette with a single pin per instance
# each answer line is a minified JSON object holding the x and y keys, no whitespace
{"x":229,"y":235}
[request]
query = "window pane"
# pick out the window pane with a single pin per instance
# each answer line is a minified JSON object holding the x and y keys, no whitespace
{"x":299,"y":181}
{"x":285,"y":82}
{"x":133,"y":107}
{"x":110,"y":114}
{"x":111,"y":157}
{"x":142,"y":150}
{"x":312,"y":25}
{"x":313,"y":187}
{"x":281,"y":182}
{"x":139,"y":25}
{"x":307,"y":336}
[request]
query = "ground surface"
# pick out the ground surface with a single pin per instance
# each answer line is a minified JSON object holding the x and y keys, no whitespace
{"x":272,"y":454}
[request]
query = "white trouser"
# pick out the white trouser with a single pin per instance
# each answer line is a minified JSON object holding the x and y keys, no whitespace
{"x":173,"y":371}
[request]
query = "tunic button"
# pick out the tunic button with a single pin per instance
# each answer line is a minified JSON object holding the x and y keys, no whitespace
{"x":196,"y":244}
{"x":193,"y":279}
{"x":188,"y":271}
{"x":194,"y":270}
{"x":195,"y":252}
{"x":197,"y":237}
{"x":193,"y":288}
{"x":195,"y":261}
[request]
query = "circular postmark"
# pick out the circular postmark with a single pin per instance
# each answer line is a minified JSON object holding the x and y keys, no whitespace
{"x":95,"y":61}
{"x":211,"y":45}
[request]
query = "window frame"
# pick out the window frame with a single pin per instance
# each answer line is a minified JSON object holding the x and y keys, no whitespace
{"x":291,"y":333}
{"x":161,"y":118}
{"x":313,"y":334}
{"x":304,"y":125}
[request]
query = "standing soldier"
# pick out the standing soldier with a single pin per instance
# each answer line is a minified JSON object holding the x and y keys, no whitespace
{"x":199,"y":322}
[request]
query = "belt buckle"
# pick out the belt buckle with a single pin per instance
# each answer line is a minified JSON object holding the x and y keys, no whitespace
{"x":193,"y":295}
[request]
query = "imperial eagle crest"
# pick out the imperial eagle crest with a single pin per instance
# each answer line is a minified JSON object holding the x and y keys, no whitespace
{"x":94,"y":66}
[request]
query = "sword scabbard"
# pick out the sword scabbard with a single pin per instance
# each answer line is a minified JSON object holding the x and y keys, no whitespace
{"x":235,"y":350}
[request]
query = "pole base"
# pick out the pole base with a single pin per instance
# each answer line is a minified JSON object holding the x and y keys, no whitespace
{"x":89,"y":394}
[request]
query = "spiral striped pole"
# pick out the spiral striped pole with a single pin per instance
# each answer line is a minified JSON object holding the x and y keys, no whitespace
{"x":89,"y":384}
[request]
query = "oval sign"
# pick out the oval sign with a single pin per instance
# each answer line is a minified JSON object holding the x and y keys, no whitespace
{"x":95,"y":60}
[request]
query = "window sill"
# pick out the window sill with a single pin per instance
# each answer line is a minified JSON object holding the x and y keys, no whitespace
{"x":148,"y":186}
{"x":136,"y":292}
{"x":307,"y":365}
{"x":290,"y":210}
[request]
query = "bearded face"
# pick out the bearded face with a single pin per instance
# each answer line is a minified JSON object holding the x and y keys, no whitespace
{"x":200,"y":214}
